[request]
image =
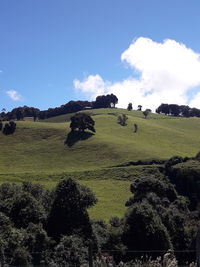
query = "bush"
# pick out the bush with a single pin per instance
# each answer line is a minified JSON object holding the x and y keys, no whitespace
{"x":122,"y":119}
{"x":9,"y":128}
{"x":143,"y":229}
{"x":71,"y":251}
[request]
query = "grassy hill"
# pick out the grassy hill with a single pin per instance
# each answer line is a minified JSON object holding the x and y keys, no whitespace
{"x":37,"y":152}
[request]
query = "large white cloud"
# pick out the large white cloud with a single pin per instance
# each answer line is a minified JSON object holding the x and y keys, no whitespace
{"x":14,"y":95}
{"x":167,"y":71}
{"x":93,"y":85}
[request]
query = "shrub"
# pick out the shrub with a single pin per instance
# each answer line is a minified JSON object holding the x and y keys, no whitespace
{"x":9,"y":128}
{"x":122,"y":119}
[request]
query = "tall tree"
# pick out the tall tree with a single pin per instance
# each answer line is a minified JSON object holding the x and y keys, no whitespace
{"x":68,"y":214}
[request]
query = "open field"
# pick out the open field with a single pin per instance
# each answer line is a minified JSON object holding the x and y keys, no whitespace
{"x":36,"y":152}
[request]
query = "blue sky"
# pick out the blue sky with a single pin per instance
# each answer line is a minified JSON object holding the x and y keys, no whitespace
{"x":47,"y":45}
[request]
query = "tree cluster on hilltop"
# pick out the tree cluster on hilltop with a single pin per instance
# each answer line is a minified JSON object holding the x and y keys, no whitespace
{"x":178,"y":110}
{"x":103,"y":101}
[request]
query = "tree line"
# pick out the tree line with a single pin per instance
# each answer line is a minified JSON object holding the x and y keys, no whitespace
{"x":178,"y":110}
{"x":103,"y":101}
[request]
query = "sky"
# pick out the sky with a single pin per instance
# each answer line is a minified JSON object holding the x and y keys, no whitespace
{"x":144,"y":51}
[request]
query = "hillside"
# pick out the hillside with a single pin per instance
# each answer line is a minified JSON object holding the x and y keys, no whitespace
{"x":37,"y":152}
{"x":39,"y":147}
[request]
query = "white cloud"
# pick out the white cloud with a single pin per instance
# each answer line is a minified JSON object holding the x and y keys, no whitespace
{"x":93,"y":85}
{"x":167,"y":72}
{"x":195,"y":102}
{"x":14,"y":95}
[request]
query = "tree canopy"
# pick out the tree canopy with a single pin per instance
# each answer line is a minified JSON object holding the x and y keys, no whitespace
{"x":176,"y":110}
{"x":68,"y":214}
{"x":105,"y":101}
{"x":82,"y":121}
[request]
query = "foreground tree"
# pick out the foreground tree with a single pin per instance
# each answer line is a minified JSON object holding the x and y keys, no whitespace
{"x":71,"y":251}
{"x":69,"y":214}
{"x":158,"y":218}
{"x":82,"y":121}
{"x":143,"y":228}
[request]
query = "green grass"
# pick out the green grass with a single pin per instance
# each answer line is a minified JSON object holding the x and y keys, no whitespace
{"x":111,"y":186}
{"x":37,"y":152}
{"x":111,"y":195}
{"x":39,"y":147}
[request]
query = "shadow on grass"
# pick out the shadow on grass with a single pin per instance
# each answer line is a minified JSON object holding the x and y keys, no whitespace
{"x":75,"y":136}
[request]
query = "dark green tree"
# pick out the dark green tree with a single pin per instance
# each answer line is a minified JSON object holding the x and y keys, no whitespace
{"x":144,"y":230}
{"x":26,"y":209}
{"x":21,"y":257}
{"x":38,"y":243}
{"x":82,"y":121}
{"x":155,"y":203}
{"x":69,"y":214}
{"x":71,"y":251}
{"x":146,"y":184}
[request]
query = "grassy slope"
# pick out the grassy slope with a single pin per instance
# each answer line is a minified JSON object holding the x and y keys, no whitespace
{"x":37,"y":151}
